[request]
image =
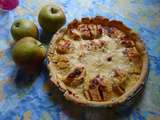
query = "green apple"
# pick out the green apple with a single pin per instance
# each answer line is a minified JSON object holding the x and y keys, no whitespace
{"x":28,"y":54}
{"x":51,"y":18}
{"x":23,"y":28}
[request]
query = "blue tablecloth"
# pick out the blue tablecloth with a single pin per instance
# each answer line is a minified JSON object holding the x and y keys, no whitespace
{"x":23,"y":99}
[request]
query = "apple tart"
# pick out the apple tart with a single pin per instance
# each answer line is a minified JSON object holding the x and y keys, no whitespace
{"x":97,"y":62}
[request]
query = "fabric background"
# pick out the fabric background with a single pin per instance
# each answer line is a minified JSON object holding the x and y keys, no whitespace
{"x":23,"y":99}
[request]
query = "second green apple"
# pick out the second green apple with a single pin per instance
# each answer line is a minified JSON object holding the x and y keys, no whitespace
{"x":23,"y":28}
{"x":51,"y":18}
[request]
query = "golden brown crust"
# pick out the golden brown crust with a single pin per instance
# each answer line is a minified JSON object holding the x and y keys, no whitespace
{"x":138,"y":43}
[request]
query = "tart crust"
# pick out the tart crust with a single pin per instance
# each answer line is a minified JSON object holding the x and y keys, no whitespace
{"x":69,"y":92}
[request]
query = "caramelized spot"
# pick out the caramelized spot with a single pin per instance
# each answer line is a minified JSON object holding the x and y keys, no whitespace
{"x":85,"y":32}
{"x":74,"y":74}
{"x":127,"y":42}
{"x":117,"y":89}
{"x":76,"y":77}
{"x":119,"y":75}
{"x":97,"y":44}
{"x":86,"y":20}
{"x":119,"y":82}
{"x":119,"y":25}
{"x":133,"y":55}
{"x":70,"y":29}
{"x":109,"y":59}
{"x":99,"y":30}
{"x":60,"y":61}
{"x":100,"y":20}
{"x":97,"y":90}
{"x":63,"y":46}
{"x":73,"y":24}
{"x":114,"y":32}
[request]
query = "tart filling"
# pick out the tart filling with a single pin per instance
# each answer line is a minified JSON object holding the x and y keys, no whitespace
{"x":96,"y":59}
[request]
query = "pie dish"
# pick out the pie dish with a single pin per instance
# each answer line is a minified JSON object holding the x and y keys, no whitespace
{"x":97,"y":62}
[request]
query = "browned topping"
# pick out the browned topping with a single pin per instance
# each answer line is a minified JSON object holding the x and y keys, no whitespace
{"x":73,"y":24}
{"x":119,"y":25}
{"x":96,"y":44}
{"x":85,"y":32}
{"x":100,"y":20}
{"x":94,"y":94}
{"x":111,"y":31}
{"x":119,"y":82}
{"x":60,"y":61}
{"x":119,"y":74}
{"x":71,"y":29}
{"x":74,"y":74}
{"x":73,"y":34}
{"x":96,"y":30}
{"x":99,"y":29}
{"x":133,"y":55}
{"x":97,"y":89}
{"x":76,"y":77}
{"x":134,"y":76}
{"x":89,"y":28}
{"x":70,"y":92}
{"x":63,"y":46}
{"x":118,"y":89}
{"x":114,"y":32}
{"x":85,"y":20}
{"x":132,"y":52}
{"x":136,"y":69}
{"x":96,"y":81}
{"x":134,"y":36}
{"x":92,"y":29}
{"x":127,"y":42}
{"x":87,"y":95}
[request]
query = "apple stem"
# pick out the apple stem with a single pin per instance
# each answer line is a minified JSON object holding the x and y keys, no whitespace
{"x":53,"y":10}
{"x":17,"y":24}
